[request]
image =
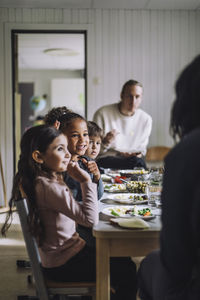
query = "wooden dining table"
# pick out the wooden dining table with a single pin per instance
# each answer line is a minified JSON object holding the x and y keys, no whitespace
{"x":114,"y":241}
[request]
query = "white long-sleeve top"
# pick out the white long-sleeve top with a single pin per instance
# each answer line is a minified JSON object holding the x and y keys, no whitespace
{"x":134,"y":131}
{"x":59,"y":213}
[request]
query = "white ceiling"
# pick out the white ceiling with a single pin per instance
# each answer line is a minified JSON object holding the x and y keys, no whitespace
{"x":31,"y":51}
{"x":126,"y":4}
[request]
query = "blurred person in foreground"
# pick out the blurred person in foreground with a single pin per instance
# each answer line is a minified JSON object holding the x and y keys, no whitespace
{"x":126,"y":129}
{"x":173,"y":272}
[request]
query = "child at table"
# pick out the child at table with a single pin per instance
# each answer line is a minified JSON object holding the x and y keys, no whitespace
{"x":95,"y":138}
{"x":74,"y":126}
{"x":54,"y":212}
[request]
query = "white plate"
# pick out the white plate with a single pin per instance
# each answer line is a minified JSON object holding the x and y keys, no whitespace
{"x":134,"y":172}
{"x":115,"y":188}
{"x":120,"y":210}
{"x":128,"y":198}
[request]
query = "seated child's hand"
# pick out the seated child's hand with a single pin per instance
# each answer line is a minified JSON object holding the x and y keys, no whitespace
{"x":93,"y":168}
{"x":77,"y":173}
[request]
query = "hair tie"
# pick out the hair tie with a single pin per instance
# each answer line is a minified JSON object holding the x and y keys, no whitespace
{"x":61,"y":117}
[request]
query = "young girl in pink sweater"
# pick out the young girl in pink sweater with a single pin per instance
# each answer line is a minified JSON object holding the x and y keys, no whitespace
{"x":54,"y":212}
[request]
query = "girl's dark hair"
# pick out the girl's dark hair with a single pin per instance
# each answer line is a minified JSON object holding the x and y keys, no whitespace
{"x":55,"y":114}
{"x":35,"y":138}
{"x":94,"y":129}
{"x":186,"y":108}
{"x":129,"y":83}
{"x":63,"y":115}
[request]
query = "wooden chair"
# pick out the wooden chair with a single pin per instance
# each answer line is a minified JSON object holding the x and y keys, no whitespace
{"x":47,"y":288}
{"x":157,"y":153}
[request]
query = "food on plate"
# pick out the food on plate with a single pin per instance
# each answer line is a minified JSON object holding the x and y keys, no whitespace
{"x":136,"y":171}
{"x":139,"y":187}
{"x":131,"y":197}
{"x":140,"y":197}
{"x":144,"y":212}
{"x":123,"y":211}
{"x":115,"y":187}
{"x":106,"y":178}
{"x":118,"y":179}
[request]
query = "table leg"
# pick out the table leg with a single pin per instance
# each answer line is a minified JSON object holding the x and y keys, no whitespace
{"x":102,"y":269}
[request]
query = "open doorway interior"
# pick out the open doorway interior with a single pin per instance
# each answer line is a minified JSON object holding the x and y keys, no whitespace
{"x":50,"y":70}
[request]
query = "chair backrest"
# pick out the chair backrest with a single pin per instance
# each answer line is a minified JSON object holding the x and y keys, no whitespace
{"x":157,"y":153}
{"x":32,"y":250}
{"x":44,"y":287}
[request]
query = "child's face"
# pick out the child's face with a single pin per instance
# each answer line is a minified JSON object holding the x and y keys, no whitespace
{"x":94,"y":147}
{"x":77,"y":135}
{"x":57,"y":156}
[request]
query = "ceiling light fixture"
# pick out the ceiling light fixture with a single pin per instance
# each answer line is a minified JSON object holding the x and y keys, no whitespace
{"x":61,"y":52}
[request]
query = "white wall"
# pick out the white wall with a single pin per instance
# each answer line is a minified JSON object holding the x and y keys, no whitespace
{"x":69,"y":92}
{"x":42,"y":81}
{"x":150,"y":46}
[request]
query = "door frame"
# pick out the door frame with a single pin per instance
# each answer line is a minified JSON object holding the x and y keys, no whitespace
{"x":9,"y":28}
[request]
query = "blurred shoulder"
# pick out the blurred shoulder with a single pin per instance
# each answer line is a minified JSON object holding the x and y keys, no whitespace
{"x":107,"y":108}
{"x":187,"y":150}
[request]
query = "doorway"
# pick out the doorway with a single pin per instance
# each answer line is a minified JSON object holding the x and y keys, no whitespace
{"x":49,"y":70}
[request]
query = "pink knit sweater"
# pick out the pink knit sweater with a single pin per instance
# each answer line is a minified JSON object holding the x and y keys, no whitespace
{"x":59,"y":213}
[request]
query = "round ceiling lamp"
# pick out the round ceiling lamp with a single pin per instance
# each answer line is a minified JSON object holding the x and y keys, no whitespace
{"x":61,"y":52}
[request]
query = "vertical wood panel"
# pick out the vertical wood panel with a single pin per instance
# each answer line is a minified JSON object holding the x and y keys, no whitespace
{"x":26,"y":15}
{"x":2,"y":111}
{"x":67,"y":15}
{"x":58,"y":14}
{"x":50,"y":15}
{"x":197,"y":35}
{"x":18,"y":12}
{"x":106,"y":54}
{"x":136,"y":45}
{"x":3,"y":14}
{"x":83,"y":16}
{"x":41,"y":14}
{"x":98,"y":60}
{"x":35,"y":15}
{"x":128,"y":40}
{"x":121,"y":40}
{"x":91,"y":16}
{"x":114,"y":59}
{"x":75,"y":16}
{"x":11,"y":15}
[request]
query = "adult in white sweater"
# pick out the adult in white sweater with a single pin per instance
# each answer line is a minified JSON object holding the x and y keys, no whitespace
{"x":126,"y":129}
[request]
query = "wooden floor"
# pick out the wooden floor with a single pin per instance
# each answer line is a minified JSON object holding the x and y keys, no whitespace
{"x":13,"y":280}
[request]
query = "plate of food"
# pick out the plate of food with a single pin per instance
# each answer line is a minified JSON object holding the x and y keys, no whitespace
{"x":106,"y":178}
{"x":130,"y":198}
{"x":128,"y":212}
{"x":138,"y":187}
{"x":115,"y":188}
{"x":134,"y":172}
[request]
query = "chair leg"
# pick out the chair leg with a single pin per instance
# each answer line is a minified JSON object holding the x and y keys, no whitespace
{"x":23,"y":264}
